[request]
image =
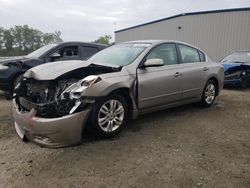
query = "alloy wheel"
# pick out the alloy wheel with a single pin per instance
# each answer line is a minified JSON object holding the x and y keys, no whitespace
{"x":111,"y":116}
{"x":210,"y":93}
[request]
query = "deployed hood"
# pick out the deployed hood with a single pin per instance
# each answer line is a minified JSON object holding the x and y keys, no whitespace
{"x":232,"y":67}
{"x":51,"y":71}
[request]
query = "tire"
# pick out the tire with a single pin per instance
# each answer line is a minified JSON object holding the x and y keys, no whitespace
{"x":105,"y":122}
{"x":209,"y":93}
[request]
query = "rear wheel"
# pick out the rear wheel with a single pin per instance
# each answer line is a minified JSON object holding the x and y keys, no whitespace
{"x":209,"y":93}
{"x":108,"y":116}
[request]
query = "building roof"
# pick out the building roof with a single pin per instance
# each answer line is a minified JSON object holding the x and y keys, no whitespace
{"x":187,"y":14}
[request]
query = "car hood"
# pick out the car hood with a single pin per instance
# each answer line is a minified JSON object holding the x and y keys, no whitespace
{"x":23,"y":62}
{"x":232,"y":67}
{"x":12,"y":59}
{"x":51,"y":71}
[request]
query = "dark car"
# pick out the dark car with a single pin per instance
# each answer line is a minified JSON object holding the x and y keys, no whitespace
{"x":237,"y":69}
{"x":11,"y":70}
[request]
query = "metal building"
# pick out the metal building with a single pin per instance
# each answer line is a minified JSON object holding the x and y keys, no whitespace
{"x":217,"y":32}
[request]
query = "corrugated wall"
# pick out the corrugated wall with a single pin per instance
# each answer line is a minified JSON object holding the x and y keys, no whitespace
{"x":218,"y":34}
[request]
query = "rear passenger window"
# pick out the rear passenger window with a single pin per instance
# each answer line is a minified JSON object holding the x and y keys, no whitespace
{"x":166,"y":52}
{"x":202,"y":56}
{"x":88,"y":51}
{"x":189,"y":54}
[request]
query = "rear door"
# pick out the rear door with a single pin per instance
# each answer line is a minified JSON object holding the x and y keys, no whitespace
{"x":193,"y":67}
{"x":160,"y":85}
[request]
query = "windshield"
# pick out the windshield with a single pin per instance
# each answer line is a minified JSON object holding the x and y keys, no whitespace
{"x":121,"y":54}
{"x":237,"y":57}
{"x":39,"y":52}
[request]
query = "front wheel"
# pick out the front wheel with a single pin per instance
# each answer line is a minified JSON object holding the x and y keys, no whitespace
{"x":108,"y":116}
{"x":209,"y":93}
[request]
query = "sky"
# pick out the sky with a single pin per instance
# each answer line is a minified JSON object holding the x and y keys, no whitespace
{"x":86,"y":20}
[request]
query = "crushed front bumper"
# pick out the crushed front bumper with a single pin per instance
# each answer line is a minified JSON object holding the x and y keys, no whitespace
{"x":50,"y":132}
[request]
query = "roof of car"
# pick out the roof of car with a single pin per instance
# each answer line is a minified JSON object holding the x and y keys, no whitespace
{"x":90,"y":43}
{"x":145,"y":41}
{"x":155,"y":42}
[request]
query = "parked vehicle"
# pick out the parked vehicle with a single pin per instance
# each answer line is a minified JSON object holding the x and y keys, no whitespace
{"x":11,"y":70}
{"x":54,"y":102}
{"x":237,"y":69}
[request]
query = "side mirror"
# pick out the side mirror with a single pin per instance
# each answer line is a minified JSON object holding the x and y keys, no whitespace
{"x":55,"y":55}
{"x":154,"y":63}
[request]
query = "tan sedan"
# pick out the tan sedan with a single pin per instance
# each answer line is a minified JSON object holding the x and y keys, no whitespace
{"x":56,"y":101}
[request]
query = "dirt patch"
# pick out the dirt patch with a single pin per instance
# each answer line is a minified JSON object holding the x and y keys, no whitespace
{"x":182,"y":147}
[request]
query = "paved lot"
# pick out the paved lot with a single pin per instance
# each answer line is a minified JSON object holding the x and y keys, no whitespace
{"x":182,"y":147}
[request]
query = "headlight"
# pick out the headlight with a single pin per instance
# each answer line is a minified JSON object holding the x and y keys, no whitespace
{"x":243,"y":73}
{"x":76,"y":89}
{"x":2,"y":67}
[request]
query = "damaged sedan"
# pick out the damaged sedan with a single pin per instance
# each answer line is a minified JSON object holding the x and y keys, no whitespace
{"x":237,"y":69}
{"x":55,"y":102}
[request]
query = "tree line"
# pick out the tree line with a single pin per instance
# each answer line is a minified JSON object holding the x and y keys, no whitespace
{"x":21,"y":40}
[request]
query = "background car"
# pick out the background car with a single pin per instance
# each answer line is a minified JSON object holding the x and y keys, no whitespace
{"x":52,"y":106}
{"x":11,"y":70}
{"x":237,"y":69}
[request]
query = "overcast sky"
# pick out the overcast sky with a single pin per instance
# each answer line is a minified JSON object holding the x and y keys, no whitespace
{"x":86,"y":20}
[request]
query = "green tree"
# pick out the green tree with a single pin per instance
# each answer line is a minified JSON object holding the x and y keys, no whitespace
{"x":8,"y":39}
{"x":22,"y":40}
{"x":104,"y":39}
{"x":1,"y":37}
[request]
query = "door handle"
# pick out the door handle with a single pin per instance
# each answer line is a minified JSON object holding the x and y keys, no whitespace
{"x":177,"y":74}
{"x":205,"y":68}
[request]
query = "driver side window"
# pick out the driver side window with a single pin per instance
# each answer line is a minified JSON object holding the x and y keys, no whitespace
{"x":66,"y":53}
{"x":166,"y":52}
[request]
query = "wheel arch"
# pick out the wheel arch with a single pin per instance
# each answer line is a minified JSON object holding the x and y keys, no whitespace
{"x":125,"y":92}
{"x":14,"y":77}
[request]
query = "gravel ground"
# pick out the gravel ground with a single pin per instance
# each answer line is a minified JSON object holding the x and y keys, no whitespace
{"x":181,"y":147}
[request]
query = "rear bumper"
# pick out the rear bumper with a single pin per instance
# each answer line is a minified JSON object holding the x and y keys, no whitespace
{"x":50,"y":132}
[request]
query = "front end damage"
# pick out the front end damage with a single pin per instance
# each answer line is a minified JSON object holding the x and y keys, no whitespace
{"x":53,"y":113}
{"x":236,"y":74}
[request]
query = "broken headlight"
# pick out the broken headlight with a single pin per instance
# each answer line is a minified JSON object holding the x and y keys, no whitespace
{"x":75,"y":90}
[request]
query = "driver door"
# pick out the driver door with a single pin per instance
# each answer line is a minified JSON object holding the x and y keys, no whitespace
{"x":65,"y":53}
{"x":158,"y":86}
